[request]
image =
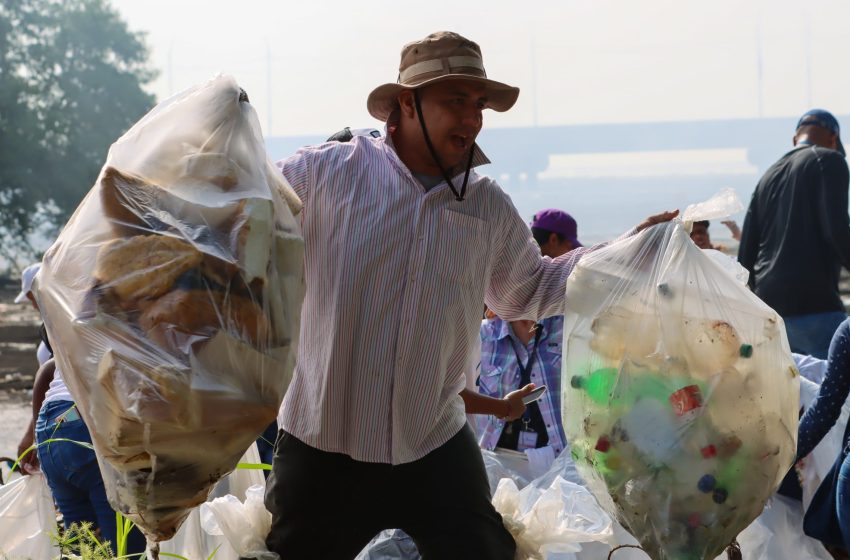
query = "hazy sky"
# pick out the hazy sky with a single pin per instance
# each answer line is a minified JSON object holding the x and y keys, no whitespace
{"x":575,"y":61}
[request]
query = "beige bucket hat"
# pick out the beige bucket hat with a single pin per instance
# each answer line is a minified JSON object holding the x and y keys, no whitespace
{"x":439,"y":57}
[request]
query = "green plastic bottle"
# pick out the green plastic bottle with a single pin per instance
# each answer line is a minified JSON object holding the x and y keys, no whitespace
{"x":598,"y":385}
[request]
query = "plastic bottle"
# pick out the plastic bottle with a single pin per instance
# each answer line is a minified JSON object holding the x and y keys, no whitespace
{"x":598,"y":385}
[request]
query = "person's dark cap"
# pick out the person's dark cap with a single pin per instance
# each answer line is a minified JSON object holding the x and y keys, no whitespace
{"x":823,"y":119}
{"x":557,"y":221}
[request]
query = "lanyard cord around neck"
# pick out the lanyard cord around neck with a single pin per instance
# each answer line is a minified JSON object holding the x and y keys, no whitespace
{"x":525,"y":370}
{"x":458,"y":195}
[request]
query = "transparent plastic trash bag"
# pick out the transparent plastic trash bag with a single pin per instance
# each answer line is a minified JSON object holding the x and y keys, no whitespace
{"x":172,"y":300}
{"x":680,"y":395}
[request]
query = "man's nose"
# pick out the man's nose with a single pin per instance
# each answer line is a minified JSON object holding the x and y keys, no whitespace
{"x":472,"y":116}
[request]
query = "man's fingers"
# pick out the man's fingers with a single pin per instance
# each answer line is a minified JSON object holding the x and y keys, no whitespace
{"x":527,"y":389}
{"x":664,"y":217}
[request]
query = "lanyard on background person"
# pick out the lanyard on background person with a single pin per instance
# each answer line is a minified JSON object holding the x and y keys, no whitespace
{"x":525,"y":369}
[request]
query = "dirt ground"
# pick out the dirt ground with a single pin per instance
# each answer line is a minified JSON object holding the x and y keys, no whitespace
{"x":18,"y":342}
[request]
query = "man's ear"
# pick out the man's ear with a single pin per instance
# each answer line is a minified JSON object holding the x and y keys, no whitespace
{"x":407,"y":103}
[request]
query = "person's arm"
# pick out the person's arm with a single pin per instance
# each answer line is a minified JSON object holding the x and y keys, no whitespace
{"x":509,"y":408}
{"x":826,"y":408}
{"x":297,"y":170}
{"x":734,"y":230}
{"x":748,"y":248}
{"x":525,"y":285}
{"x":43,"y":377}
{"x":835,"y":223}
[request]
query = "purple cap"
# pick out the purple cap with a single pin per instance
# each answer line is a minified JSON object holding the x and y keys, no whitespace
{"x":557,"y":221}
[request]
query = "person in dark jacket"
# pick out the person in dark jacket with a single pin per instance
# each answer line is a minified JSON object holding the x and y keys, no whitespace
{"x":796,"y":234}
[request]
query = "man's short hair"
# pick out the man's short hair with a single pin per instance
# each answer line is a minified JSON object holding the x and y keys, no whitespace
{"x":542,"y":235}
{"x":702,"y":223}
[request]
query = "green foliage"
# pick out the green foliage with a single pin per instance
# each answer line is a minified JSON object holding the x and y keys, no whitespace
{"x":80,"y":541}
{"x":71,"y":77}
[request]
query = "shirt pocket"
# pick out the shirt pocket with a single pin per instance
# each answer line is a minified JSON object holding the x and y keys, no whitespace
{"x":490,"y":381}
{"x":461,"y":248}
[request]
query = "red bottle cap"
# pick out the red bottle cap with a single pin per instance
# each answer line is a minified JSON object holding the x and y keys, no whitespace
{"x":708,"y":452}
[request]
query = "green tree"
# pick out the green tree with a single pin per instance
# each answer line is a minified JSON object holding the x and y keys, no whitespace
{"x":71,"y":82}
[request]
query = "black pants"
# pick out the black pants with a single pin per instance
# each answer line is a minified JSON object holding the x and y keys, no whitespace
{"x":329,"y":506}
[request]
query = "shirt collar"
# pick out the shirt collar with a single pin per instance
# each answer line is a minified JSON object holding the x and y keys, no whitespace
{"x":478,"y":157}
{"x":503,"y":329}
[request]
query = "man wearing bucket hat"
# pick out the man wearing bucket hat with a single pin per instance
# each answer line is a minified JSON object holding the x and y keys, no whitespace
{"x":796,"y":234}
{"x":404,"y":240}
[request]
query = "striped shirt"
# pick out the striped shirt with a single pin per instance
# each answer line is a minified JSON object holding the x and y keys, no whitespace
{"x":396,"y":281}
{"x":500,"y":374}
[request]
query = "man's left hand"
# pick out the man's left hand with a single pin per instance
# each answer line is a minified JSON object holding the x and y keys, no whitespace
{"x":657,"y":219}
{"x":516,"y":406}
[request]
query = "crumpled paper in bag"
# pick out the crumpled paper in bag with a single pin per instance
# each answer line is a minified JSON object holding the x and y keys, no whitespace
{"x":680,"y":395}
{"x":172,"y":301}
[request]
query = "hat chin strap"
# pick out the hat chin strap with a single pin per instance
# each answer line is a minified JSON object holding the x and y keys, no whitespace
{"x":458,"y":196}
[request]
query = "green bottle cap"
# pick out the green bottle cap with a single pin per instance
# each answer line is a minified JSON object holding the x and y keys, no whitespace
{"x":746,"y":350}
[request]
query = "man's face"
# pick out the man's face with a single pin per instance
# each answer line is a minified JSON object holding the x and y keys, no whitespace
{"x":452,"y":112}
{"x":555,"y":247}
{"x":699,"y":235}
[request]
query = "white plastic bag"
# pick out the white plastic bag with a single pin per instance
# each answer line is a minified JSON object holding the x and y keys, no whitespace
{"x":191,"y":540}
{"x":172,"y":299}
{"x":721,"y":205}
{"x":778,"y":533}
{"x":244,"y":525}
{"x":680,"y":397}
{"x":552,"y":520}
{"x":27,"y":519}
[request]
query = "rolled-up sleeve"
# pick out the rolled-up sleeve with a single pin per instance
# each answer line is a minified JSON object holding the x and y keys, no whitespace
{"x":296,"y":170}
{"x":523,"y":284}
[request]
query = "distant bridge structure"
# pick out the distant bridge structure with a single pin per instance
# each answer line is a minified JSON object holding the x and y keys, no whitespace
{"x":526,"y":151}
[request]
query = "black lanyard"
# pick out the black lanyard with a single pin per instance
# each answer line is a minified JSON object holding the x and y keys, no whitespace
{"x":525,"y":370}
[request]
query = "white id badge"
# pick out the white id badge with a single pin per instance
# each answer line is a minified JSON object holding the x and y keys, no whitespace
{"x":539,"y":460}
{"x":527,"y":440}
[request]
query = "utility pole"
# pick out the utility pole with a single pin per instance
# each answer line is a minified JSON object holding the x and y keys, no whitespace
{"x":171,"y":69}
{"x":759,"y":67}
{"x":269,"y":88}
{"x":533,"y":82}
